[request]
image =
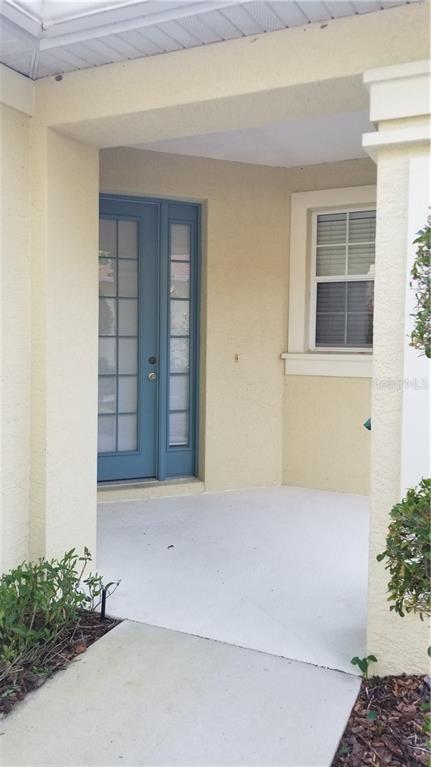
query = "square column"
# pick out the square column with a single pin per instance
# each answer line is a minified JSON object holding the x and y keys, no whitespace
{"x":399,"y":106}
{"x":64,"y":283}
{"x":15,"y":323}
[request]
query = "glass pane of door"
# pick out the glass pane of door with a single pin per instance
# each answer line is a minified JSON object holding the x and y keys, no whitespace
{"x":179,"y":334}
{"x":118,"y":336}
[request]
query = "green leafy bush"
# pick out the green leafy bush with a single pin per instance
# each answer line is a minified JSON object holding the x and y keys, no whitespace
{"x":408,"y":552}
{"x":421,"y":282}
{"x":38,"y":601}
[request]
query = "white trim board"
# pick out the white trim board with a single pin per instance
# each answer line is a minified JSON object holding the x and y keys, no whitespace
{"x":416,"y":425}
{"x":398,"y":91}
{"x":303,"y":204}
{"x":411,"y":134}
{"x":328,"y":365}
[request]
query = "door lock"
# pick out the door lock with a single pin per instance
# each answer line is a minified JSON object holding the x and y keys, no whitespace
{"x":152,"y":360}
{"x":152,"y":376}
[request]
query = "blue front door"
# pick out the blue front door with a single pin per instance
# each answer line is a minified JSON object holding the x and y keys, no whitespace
{"x":148,"y":289}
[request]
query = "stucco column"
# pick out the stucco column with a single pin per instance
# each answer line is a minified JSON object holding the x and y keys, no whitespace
{"x":64,"y":286}
{"x":14,"y":331}
{"x":399,"y":106}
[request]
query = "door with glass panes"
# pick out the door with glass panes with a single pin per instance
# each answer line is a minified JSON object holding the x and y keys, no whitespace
{"x":148,"y":322}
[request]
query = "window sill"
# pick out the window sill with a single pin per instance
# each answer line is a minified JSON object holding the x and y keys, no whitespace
{"x":340,"y":365}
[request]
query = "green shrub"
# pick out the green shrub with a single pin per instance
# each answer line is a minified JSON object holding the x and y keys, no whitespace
{"x":408,"y":552}
{"x":39,"y":600}
{"x":421,"y":282}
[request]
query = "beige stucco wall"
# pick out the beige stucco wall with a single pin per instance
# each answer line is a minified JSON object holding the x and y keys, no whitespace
{"x":326,"y":445}
{"x":245,"y":440}
{"x":246,"y":257}
{"x":244,"y":299}
{"x":64,"y":271}
{"x":302,"y":71}
{"x":48,"y":336}
{"x":14,"y":336}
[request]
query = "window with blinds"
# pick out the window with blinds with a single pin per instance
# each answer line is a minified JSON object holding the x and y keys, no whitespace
{"x":342,"y":280}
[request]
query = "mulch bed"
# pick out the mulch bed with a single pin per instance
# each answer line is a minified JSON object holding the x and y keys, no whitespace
{"x":388,"y":724}
{"x":45,"y":661}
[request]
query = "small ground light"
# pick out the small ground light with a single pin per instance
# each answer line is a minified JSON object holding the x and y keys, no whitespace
{"x":103,"y":605}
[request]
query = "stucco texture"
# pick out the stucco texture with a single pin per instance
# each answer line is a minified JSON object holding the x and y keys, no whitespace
{"x":244,"y":303}
{"x":400,"y":643}
{"x":64,"y":343}
{"x":303,"y":71}
{"x":252,"y":416}
{"x":236,"y":84}
{"x":245,"y":441}
{"x":14,"y":337}
{"x":326,"y":445}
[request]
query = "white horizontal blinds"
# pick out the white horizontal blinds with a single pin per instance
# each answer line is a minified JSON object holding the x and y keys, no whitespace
{"x":344,"y":314}
{"x":344,"y":279}
{"x":331,"y":240}
{"x":361,"y":246}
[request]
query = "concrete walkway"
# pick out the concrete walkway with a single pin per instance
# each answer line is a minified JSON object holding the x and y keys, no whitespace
{"x":275,"y":578}
{"x":148,"y":696}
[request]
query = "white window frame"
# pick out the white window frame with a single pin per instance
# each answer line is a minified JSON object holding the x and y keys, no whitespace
{"x":314,"y":281}
{"x":301,"y":358}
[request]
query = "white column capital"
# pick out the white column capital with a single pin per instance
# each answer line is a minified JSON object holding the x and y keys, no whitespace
{"x":399,"y":105}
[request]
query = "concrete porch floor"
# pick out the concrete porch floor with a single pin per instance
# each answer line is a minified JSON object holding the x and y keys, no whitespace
{"x":282,"y":570}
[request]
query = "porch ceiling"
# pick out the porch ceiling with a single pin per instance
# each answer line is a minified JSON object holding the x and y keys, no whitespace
{"x":46,"y":37}
{"x":287,"y":144}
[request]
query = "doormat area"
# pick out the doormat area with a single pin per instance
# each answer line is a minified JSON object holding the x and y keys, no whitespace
{"x":389,"y":725}
{"x":52,"y":657}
